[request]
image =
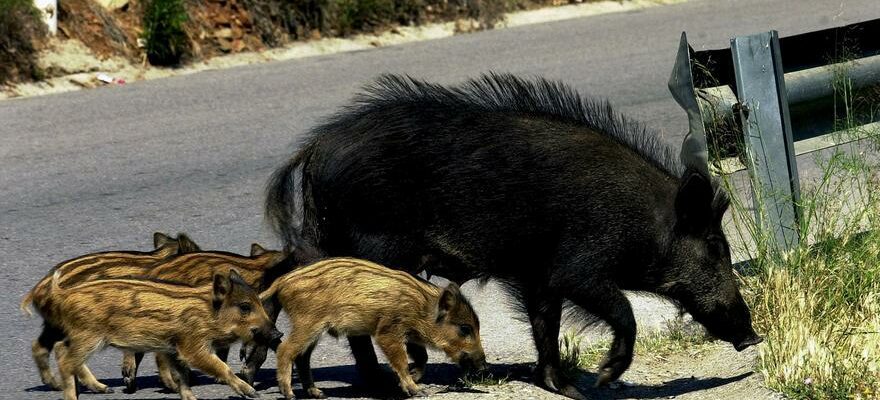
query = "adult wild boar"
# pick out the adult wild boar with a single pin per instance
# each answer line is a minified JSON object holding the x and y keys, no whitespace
{"x":520,"y":180}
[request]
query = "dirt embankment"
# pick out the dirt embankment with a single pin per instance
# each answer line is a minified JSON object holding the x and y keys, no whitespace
{"x":101,"y":42}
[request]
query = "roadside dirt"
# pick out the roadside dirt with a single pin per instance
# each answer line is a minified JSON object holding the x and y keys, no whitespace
{"x":714,"y":371}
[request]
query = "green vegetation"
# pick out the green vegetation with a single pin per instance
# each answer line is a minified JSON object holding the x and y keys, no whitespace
{"x":166,"y":41}
{"x":21,"y":29}
{"x":343,"y":17}
{"x":575,"y":356}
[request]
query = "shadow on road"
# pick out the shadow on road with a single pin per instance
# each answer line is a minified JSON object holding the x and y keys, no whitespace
{"x":344,"y":382}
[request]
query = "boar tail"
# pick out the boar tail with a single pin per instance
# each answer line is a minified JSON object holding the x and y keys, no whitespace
{"x":27,"y":301}
{"x":56,"y":287}
{"x":281,"y":199}
{"x":270,"y":292}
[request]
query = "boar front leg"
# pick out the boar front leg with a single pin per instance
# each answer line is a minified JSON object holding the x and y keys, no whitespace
{"x":130,"y":363}
{"x":198,"y":356}
{"x":393,"y":345}
{"x":545,"y":314}
{"x":608,"y":303}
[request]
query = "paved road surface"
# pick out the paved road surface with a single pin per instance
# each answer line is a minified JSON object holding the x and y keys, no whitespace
{"x":102,"y":169}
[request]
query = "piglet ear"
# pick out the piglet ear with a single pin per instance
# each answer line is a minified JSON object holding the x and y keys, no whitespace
{"x":222,"y":288}
{"x":186,"y":245}
{"x":448,"y":300}
{"x":257,"y":250}
{"x":161,"y":240}
{"x":693,"y":203}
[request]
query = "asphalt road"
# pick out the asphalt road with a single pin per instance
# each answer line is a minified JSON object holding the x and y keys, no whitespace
{"x":102,"y":169}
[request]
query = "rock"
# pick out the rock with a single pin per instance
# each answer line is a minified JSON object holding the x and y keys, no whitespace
{"x":113,"y":5}
{"x":225,"y":33}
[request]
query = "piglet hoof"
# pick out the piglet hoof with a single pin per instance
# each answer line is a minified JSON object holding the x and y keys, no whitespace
{"x":417,"y":373}
{"x":244,"y":389}
{"x":53,"y":383}
{"x":315,"y":393}
{"x":413,"y":391}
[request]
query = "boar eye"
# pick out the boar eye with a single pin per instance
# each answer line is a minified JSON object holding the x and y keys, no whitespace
{"x":245,"y":308}
{"x":465,"y":330}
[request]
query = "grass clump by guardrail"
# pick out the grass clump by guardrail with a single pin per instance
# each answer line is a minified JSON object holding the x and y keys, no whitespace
{"x":677,"y":337}
{"x":166,"y":42}
{"x":818,"y":305}
{"x":21,"y":29}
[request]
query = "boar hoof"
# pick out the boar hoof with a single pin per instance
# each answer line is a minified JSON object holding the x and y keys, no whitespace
{"x":572,"y":393}
{"x":246,"y":376}
{"x":53,"y":383}
{"x":130,"y":386}
{"x":315,"y":393}
{"x":606,"y":376}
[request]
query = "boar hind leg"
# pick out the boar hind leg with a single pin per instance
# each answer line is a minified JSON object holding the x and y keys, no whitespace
{"x":166,"y":375}
{"x":72,"y":356}
{"x":197,"y":356}
{"x":419,"y":356}
{"x":365,"y":358}
{"x":395,"y":351}
{"x":295,"y":345}
{"x":130,"y":363}
{"x":609,"y":304}
{"x":41,"y":349}
{"x":222,"y":352}
{"x":304,"y":367}
{"x":180,"y":374}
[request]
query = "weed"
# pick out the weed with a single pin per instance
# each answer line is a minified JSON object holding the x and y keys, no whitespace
{"x":166,"y":41}
{"x":21,"y":29}
{"x":818,"y":305}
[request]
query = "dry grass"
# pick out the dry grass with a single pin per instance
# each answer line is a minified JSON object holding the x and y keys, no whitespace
{"x":818,"y":305}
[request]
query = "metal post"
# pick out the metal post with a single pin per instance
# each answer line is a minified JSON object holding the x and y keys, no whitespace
{"x":767,"y":130}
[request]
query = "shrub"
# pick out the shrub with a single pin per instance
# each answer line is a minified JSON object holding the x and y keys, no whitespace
{"x":166,"y":41}
{"x":21,"y":30}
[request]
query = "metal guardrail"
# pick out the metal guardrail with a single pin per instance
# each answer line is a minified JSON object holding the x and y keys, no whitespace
{"x":775,"y":99}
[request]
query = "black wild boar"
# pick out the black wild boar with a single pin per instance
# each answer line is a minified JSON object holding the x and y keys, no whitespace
{"x":179,"y":321}
{"x":111,"y":264}
{"x":346,"y":296}
{"x":197,"y":269}
{"x":519,"y":180}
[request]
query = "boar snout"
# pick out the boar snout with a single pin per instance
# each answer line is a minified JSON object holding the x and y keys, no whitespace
{"x":266,"y":335}
{"x":473,"y":363}
{"x":750,"y":340}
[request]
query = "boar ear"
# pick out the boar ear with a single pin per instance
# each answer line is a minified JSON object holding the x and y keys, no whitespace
{"x":448,"y":300}
{"x":235,"y":278}
{"x":222,"y":288}
{"x":186,"y":245}
{"x":693,"y":203}
{"x":257,"y":250}
{"x":161,"y":240}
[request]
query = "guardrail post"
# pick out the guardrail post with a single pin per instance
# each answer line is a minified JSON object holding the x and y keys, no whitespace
{"x":767,"y":132}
